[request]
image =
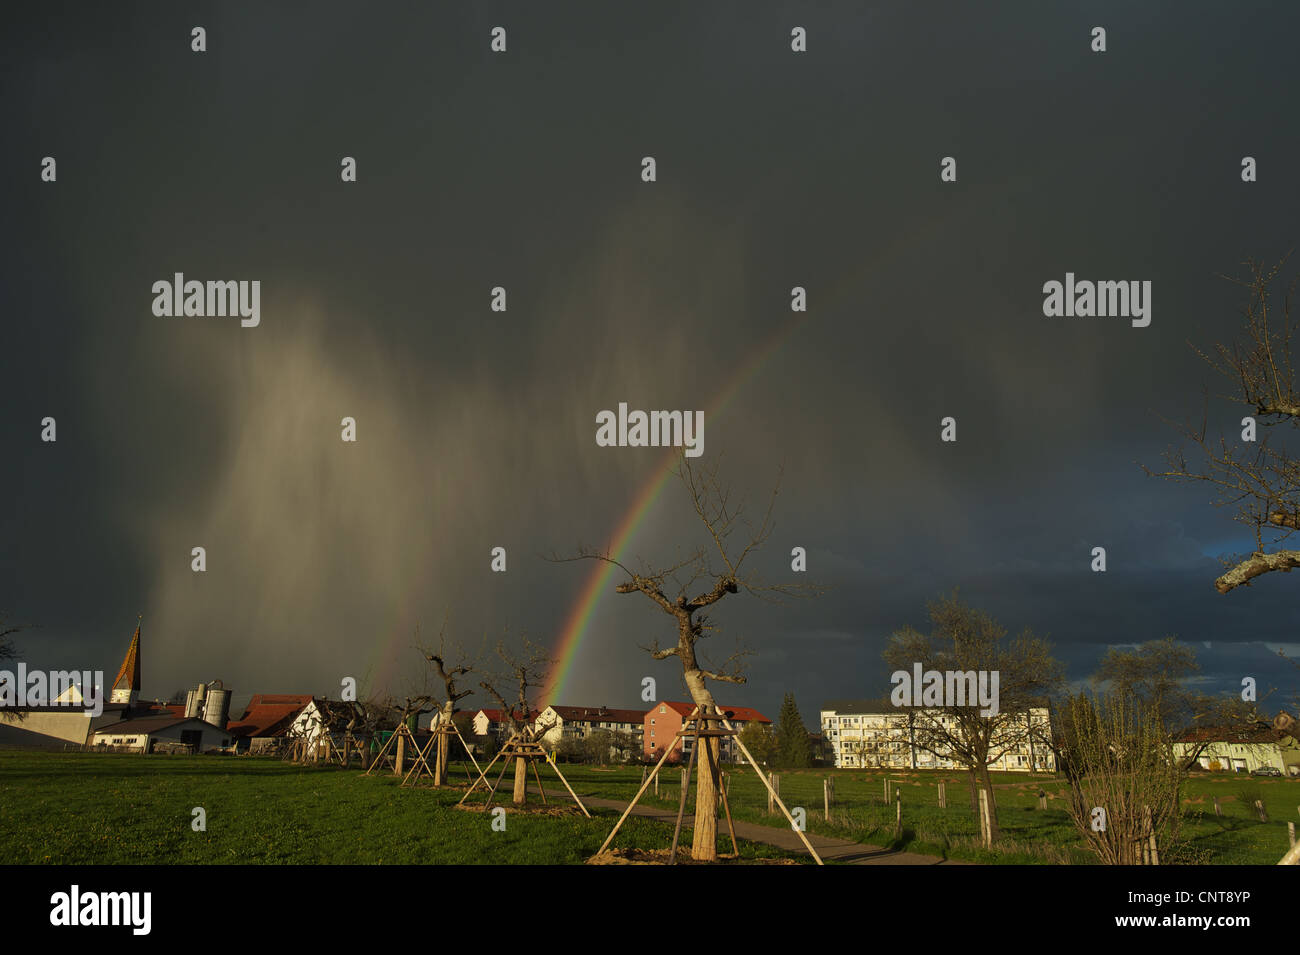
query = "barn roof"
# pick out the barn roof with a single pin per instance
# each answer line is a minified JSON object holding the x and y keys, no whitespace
{"x":150,"y":724}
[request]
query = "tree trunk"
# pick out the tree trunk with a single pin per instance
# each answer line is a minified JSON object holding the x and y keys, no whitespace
{"x":973,"y":780}
{"x":521,"y":781}
{"x":704,"y":841}
{"x":440,"y":761}
{"x":994,"y":829}
{"x":399,"y":764}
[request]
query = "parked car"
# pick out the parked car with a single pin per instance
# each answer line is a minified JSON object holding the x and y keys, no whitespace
{"x":1266,"y":771}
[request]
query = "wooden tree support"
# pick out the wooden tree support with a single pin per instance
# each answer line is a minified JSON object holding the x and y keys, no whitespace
{"x":696,"y":719}
{"x":420,"y":765}
{"x":521,"y":746}
{"x":402,"y":731}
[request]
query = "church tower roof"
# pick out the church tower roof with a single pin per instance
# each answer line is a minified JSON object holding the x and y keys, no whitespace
{"x":126,"y":688}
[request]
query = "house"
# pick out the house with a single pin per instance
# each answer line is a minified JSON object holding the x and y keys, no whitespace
{"x":148,"y":734}
{"x":1240,"y":749}
{"x":267,"y":720}
{"x":664,"y":721}
{"x":496,"y":723}
{"x":875,"y":734}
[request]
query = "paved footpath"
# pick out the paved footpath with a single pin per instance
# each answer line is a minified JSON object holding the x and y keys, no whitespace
{"x":828,"y":847}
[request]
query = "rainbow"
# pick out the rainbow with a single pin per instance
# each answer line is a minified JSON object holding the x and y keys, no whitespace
{"x":579,"y":619}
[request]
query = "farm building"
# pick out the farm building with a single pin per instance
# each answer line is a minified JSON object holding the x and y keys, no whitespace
{"x":267,"y":720}
{"x":150,"y":734}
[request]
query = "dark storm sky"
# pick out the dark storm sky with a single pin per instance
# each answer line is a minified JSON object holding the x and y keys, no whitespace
{"x":476,"y":428}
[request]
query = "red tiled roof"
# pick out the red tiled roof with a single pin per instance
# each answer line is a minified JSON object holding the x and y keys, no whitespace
{"x":269,"y":714}
{"x":743,"y":713}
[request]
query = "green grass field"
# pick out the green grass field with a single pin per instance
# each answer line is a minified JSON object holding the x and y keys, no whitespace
{"x":65,"y":808}
{"x":1029,"y":835}
{"x":98,"y":808}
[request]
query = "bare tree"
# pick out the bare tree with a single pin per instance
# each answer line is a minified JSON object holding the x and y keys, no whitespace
{"x":684,"y":591}
{"x":524,"y":672}
{"x":1258,"y":477}
{"x":450,"y":676}
{"x":9,"y":651}
{"x":1155,"y":674}
{"x":964,"y":639}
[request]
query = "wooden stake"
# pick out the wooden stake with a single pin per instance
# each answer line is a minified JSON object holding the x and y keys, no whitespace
{"x":567,"y":786}
{"x":626,"y":812}
{"x":538,"y":776}
{"x":726,"y":807}
{"x":1217,"y":810}
{"x":986,"y":827}
{"x":898,"y":817}
{"x":753,"y":762}
{"x":1259,"y":809}
{"x":482,"y":776}
{"x":1290,"y":832}
{"x":826,"y":798}
{"x":681,"y":807}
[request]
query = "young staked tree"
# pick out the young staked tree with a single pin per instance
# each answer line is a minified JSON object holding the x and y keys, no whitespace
{"x":967,"y":640}
{"x":684,"y":591}
{"x":1252,"y":471}
{"x":524,"y":671}
{"x":1124,"y":781}
{"x":449,"y":675}
{"x":794,"y":749}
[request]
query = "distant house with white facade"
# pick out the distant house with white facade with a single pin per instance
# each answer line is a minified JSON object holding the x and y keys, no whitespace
{"x":1240,"y":749}
{"x":496,"y":723}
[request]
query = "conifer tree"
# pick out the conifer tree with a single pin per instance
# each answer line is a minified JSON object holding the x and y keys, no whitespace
{"x":794,"y":750}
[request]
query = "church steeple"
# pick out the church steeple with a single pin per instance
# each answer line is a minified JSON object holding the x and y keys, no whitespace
{"x":126,"y":688}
